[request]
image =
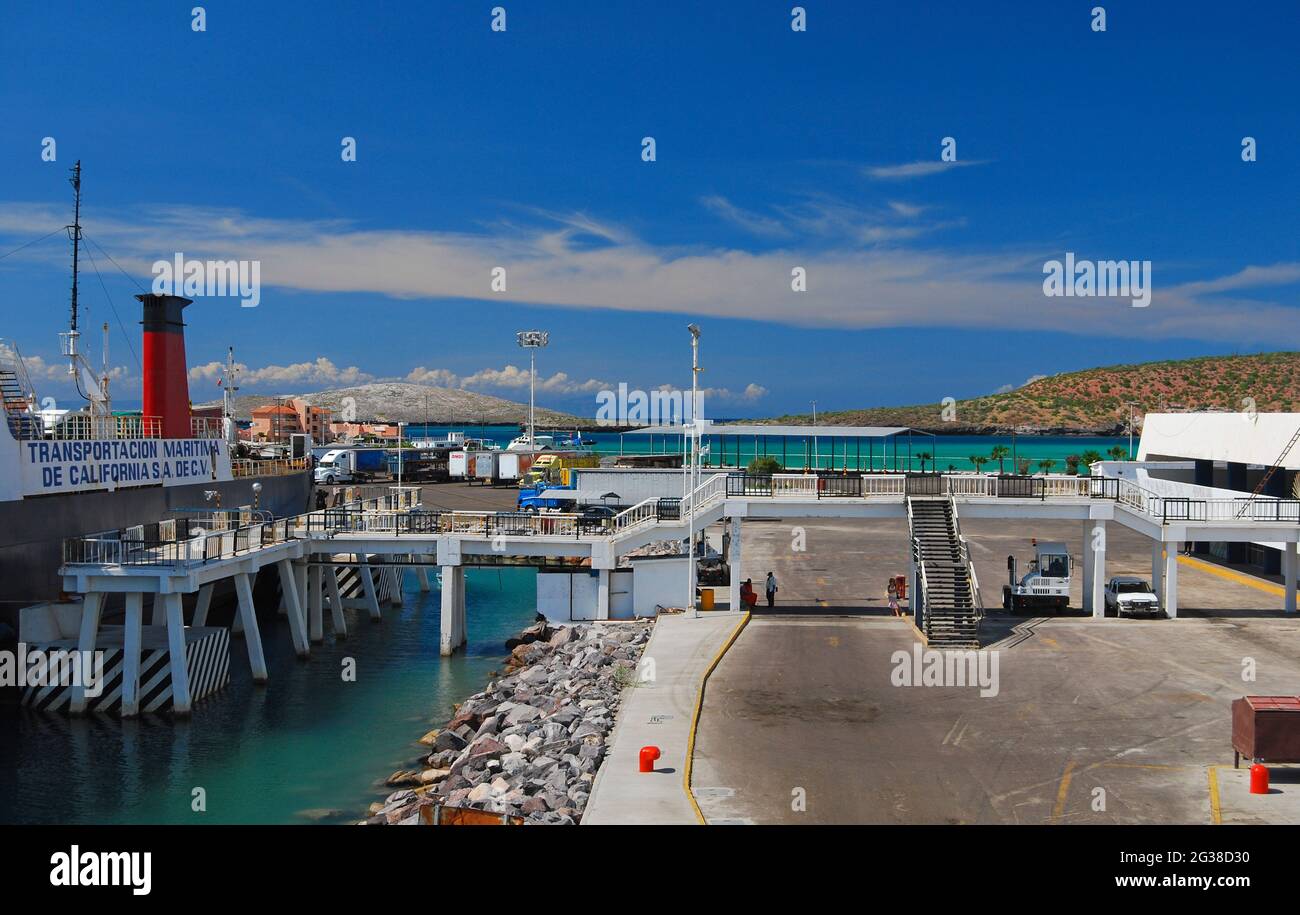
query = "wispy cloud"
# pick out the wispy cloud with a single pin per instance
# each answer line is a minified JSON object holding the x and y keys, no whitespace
{"x":918,"y":169}
{"x":851,"y":283}
{"x":754,"y":223}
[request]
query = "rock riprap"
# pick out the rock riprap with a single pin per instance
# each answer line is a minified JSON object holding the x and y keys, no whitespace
{"x":531,"y":743}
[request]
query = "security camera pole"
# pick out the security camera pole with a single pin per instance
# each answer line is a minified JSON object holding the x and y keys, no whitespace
{"x":532,"y":340}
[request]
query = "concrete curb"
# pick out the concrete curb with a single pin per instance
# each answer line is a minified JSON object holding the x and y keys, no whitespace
{"x":695,"y":718}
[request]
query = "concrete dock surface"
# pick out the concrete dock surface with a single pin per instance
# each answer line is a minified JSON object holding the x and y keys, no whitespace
{"x":658,"y":713}
{"x":1094,"y":721}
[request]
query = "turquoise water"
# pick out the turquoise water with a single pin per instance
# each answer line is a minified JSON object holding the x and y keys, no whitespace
{"x":305,"y":744}
{"x":798,"y":452}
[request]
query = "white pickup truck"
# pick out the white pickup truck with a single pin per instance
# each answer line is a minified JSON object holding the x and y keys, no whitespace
{"x":1131,"y":596}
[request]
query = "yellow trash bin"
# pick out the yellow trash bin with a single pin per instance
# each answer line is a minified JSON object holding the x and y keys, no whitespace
{"x":706,"y":598}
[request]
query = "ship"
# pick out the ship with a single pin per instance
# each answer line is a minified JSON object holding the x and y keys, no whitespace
{"x":68,"y":474}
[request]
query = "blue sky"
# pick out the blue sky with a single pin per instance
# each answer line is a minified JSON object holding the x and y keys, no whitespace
{"x":775,"y":149}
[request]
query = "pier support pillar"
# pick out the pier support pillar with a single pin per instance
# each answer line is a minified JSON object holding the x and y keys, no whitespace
{"x":733,"y":563}
{"x":252,"y":635}
{"x":339,"y":622}
{"x":131,"y":655}
{"x":422,"y":577}
{"x":202,"y":605}
{"x":1085,"y":579}
{"x":1172,"y":550}
{"x":368,"y":585}
{"x":462,"y":623}
{"x":602,"y":594}
{"x":1095,"y":584}
{"x":398,"y":578}
{"x":1289,"y":575}
{"x":453,"y":608}
{"x":176,"y":654}
{"x":315,"y":610}
{"x":300,"y":578}
{"x":90,"y":610}
{"x":1158,"y":570}
{"x":293,"y":608}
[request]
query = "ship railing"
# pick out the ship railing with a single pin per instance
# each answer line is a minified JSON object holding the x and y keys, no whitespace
{"x":206,"y":427}
{"x":88,"y":427}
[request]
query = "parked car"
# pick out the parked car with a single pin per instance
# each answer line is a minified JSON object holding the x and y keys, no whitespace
{"x":1131,"y":596}
{"x":596,"y":518}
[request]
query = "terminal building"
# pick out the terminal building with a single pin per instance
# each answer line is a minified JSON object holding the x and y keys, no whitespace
{"x":1221,"y":456}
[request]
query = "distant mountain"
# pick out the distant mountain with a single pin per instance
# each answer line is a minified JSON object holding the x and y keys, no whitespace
{"x":404,"y":402}
{"x":1095,"y":401}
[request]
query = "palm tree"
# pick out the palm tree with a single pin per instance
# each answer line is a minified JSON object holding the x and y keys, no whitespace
{"x":979,"y":461}
{"x":999,"y":454}
{"x":1046,"y":465}
{"x":1118,"y":453}
{"x":923,"y":456}
{"x":1090,"y":456}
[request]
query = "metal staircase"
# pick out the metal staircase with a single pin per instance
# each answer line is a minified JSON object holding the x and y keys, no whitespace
{"x":949,"y":606}
{"x":1268,"y":475}
{"x":17,"y":394}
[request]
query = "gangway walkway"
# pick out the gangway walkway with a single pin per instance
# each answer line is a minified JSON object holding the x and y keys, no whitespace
{"x":174,"y":559}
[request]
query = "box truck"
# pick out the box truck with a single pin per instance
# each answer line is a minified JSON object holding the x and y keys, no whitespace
{"x":350,"y":465}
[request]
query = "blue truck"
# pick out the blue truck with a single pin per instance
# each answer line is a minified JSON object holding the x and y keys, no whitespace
{"x":530,"y":500}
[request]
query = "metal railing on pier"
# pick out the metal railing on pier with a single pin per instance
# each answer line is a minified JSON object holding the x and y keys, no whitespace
{"x":276,"y":467}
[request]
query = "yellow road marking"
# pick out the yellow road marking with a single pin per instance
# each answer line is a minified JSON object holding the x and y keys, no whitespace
{"x":833,"y":641}
{"x":695,"y":718}
{"x":1063,"y":791}
{"x":1216,"y":814}
{"x":1249,"y":581}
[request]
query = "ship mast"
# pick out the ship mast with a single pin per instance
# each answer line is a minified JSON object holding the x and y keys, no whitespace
{"x":229,"y":387}
{"x":75,"y":229}
{"x":78,"y":368}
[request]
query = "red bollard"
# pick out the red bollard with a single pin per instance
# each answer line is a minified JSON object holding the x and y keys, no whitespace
{"x":1258,"y":778}
{"x":650,"y":754}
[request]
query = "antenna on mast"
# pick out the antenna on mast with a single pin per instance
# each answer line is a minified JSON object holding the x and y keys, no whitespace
{"x":75,"y":232}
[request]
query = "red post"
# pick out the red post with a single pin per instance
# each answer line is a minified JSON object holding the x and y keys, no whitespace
{"x":1258,"y":778}
{"x":166,"y":386}
{"x":648,"y":757}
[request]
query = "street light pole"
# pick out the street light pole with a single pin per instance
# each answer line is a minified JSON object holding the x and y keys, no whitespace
{"x":532,"y":340}
{"x":692,"y":432}
{"x":1131,"y":404}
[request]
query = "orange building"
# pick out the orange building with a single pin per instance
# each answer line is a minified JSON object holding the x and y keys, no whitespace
{"x":277,"y":422}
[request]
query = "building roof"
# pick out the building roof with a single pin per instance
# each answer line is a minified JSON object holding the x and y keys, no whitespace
{"x":272,"y":409}
{"x":1244,"y":438}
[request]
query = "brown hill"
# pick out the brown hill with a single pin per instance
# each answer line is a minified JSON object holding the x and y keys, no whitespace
{"x":1095,"y":401}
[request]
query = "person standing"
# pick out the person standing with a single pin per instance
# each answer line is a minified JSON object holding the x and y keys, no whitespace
{"x":771,"y":589}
